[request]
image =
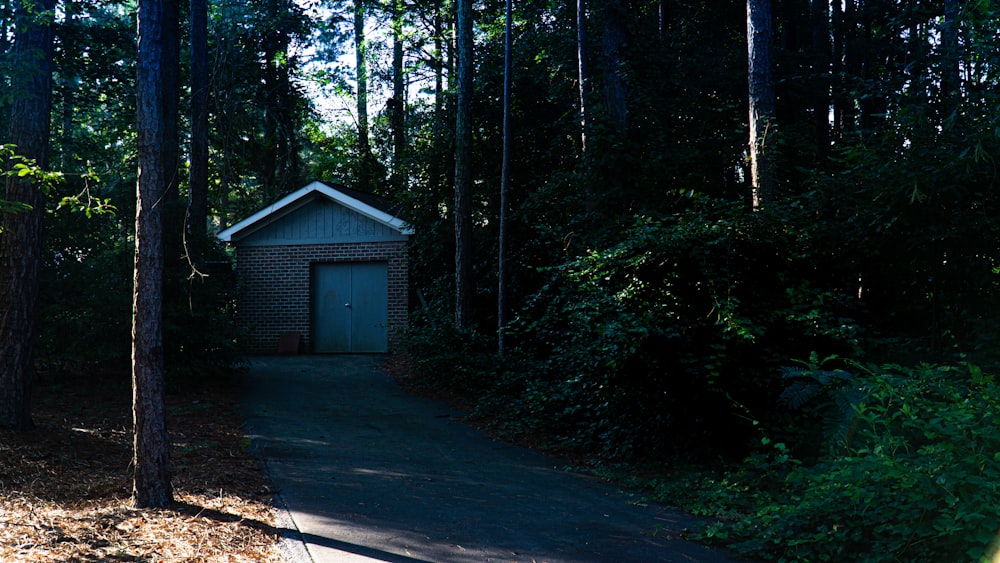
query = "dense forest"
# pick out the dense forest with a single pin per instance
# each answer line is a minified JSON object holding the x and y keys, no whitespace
{"x":746,"y":249}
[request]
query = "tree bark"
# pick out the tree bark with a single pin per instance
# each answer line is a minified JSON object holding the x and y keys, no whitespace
{"x":463,"y":169}
{"x":151,"y":444}
{"x":508,"y":71}
{"x":761,"y":101}
{"x":583,"y":71}
{"x":197,"y":216}
{"x":21,"y":237}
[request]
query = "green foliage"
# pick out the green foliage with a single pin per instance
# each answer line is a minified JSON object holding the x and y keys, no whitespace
{"x":24,"y":169}
{"x":658,"y":344}
{"x":655,"y":346}
{"x":918,"y":479}
{"x":200,"y":332}
{"x":445,"y":359}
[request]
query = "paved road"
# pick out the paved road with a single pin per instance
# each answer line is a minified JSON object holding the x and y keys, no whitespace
{"x":369,"y":473}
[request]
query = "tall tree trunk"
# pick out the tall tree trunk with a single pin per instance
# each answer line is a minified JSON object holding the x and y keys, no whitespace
{"x":614,"y":47}
{"x":463,"y":170}
{"x":6,"y":32}
{"x":950,"y":60}
{"x":151,"y":453}
{"x":761,"y":101}
{"x":21,"y":237}
{"x":820,"y":14}
{"x":69,"y":87}
{"x":508,"y":71}
{"x":282,"y":145}
{"x":271,"y":137}
{"x":438,"y":168}
{"x":398,"y":109}
{"x":170,"y":83}
{"x":838,"y":87}
{"x":6,"y":26}
{"x":197,"y":219}
{"x":583,"y":71}
{"x":365,"y":158}
{"x":662,"y":25}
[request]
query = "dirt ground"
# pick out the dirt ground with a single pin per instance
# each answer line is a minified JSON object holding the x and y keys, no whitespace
{"x":65,"y":486}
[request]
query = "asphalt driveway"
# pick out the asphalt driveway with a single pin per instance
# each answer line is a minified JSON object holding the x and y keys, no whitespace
{"x":370,"y":473}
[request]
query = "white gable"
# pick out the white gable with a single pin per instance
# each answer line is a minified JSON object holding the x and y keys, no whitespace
{"x":297,"y":219}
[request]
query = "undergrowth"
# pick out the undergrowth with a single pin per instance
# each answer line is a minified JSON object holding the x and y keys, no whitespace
{"x":871,"y":463}
{"x":917,"y":478}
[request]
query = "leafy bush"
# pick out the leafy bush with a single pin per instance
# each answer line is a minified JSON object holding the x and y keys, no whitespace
{"x":918,"y":480}
{"x":444,"y":359}
{"x":200,"y":332}
{"x":658,"y":345}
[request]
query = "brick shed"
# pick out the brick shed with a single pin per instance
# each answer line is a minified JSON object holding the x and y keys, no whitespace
{"x":326,"y":263}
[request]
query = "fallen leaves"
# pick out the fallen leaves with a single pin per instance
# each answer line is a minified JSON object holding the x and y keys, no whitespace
{"x":65,"y":486}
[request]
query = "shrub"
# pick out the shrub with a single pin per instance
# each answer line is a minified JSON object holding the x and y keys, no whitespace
{"x":918,"y":479}
{"x":658,"y":345}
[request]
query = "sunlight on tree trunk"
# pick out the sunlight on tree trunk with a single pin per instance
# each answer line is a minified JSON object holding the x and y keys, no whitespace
{"x":761,"y":101}
{"x":583,"y":71}
{"x":151,"y":454}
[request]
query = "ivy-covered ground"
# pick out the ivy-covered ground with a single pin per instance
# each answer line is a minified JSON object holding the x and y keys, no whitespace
{"x":65,"y":486}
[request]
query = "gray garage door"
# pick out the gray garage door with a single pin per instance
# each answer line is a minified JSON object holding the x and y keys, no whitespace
{"x":350,"y":307}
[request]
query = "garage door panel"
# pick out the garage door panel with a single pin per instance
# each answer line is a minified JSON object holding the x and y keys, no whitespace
{"x":370,"y":294}
{"x":331,"y":315}
{"x":350,"y":307}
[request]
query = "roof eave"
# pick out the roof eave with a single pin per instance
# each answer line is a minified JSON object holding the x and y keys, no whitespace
{"x":356,"y":205}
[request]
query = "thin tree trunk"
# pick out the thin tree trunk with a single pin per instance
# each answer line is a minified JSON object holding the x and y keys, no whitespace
{"x":197,"y":220}
{"x":272,"y":122}
{"x":761,"y":101}
{"x":662,"y":25}
{"x":173,"y":212}
{"x":950,"y":71}
{"x":438,"y":169}
{"x":398,"y":109}
{"x":21,"y":238}
{"x":583,"y":71}
{"x":508,"y":71}
{"x":463,"y":170}
{"x":69,"y":91}
{"x":151,"y":453}
{"x":838,"y":89}
{"x":361,"y":70}
{"x":614,"y":45}
{"x":285,"y":149}
{"x":820,"y":13}
{"x":6,"y":31}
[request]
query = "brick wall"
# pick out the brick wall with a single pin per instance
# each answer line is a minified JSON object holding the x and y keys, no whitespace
{"x":274,"y":288}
